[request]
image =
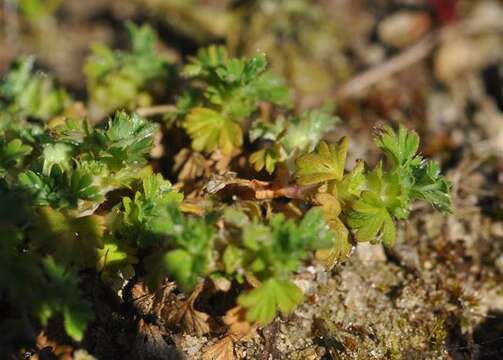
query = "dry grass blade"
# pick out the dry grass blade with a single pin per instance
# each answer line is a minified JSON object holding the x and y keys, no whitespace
{"x":410,"y":56}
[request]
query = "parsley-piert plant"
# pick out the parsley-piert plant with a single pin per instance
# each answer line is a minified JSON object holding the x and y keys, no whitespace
{"x":77,"y":197}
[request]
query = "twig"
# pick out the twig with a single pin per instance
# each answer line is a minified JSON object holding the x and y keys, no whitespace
{"x":290,"y":192}
{"x":263,"y":190}
{"x":388,"y":68}
{"x":155,"y":110}
{"x":408,"y":57}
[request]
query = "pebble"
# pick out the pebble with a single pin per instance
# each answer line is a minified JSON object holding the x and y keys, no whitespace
{"x":403,"y":28}
{"x":370,"y":253}
{"x":497,"y":229}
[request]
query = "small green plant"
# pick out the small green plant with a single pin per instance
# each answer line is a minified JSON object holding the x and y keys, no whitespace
{"x":34,"y":10}
{"x":28,"y":93}
{"x":121,"y":79}
{"x":225,"y":92}
{"x":86,"y":197}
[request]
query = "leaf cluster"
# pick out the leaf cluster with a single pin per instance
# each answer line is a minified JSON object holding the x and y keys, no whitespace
{"x":224,"y":93}
{"x":120,"y":79}
{"x":369,"y":202}
{"x":269,"y":252}
{"x":56,"y":182}
{"x":28,"y":93}
{"x":86,"y":197}
{"x":288,"y":137}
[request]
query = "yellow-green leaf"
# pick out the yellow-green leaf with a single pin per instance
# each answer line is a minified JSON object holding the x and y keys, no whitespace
{"x":326,"y":163}
{"x":342,"y":247}
{"x":266,"y":158}
{"x":371,"y":220}
{"x":263,"y":302}
{"x":209,"y":130}
{"x":72,"y":241}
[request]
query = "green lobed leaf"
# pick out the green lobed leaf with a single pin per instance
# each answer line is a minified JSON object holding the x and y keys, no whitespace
{"x":327,"y":163}
{"x":430,"y":186}
{"x":371,"y":221}
{"x":126,"y":141}
{"x":262,"y":303}
{"x":114,"y":255}
{"x":190,"y":258}
{"x":209,"y":130}
{"x":63,"y":296}
{"x":266,"y":159}
{"x":28,"y":93}
{"x":12,"y":154}
{"x":305,"y":131}
{"x":207,"y":60}
{"x":352,"y":184}
{"x":121,"y":79}
{"x":152,"y":214}
{"x":71,"y":241}
{"x":400,"y":147}
{"x":227,"y":92}
{"x":316,"y":230}
{"x":179,"y":264}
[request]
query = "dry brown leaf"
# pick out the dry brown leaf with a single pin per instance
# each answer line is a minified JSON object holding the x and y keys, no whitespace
{"x":222,"y":161}
{"x":221,"y":350}
{"x":291,"y":210}
{"x":184,"y":313}
{"x":49,"y":345}
{"x":150,"y":343}
{"x":157,"y":150}
{"x":146,"y":302}
{"x":261,"y":190}
{"x":190,"y":165}
{"x":143,"y":300}
{"x":252,"y":208}
{"x":218,"y":182}
{"x":239,"y":328}
{"x":292,"y":192}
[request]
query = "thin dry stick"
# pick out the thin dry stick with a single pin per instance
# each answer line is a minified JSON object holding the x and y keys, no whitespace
{"x":410,"y":56}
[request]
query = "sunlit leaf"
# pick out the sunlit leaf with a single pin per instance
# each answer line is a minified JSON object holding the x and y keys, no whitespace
{"x":210,"y":130}
{"x":371,"y":220}
{"x":72,"y":241}
{"x":262,"y":303}
{"x":326,"y":163}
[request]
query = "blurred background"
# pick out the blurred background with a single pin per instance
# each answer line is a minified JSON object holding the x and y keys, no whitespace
{"x":433,"y":65}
